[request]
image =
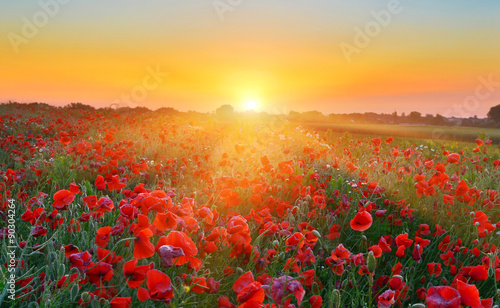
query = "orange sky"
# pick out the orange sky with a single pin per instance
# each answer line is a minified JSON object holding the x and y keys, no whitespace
{"x":284,"y":55}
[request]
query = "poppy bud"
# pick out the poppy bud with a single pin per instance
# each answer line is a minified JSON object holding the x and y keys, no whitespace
{"x":315,"y":288}
{"x":58,"y":216}
{"x":85,"y":297}
{"x":419,"y":305}
{"x":308,"y":198}
{"x":316,"y":233}
{"x":372,"y":262}
{"x":363,"y":237}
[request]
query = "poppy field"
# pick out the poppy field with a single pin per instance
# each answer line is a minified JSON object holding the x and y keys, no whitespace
{"x":107,"y":209}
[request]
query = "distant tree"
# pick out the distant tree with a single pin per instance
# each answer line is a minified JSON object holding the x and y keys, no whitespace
{"x":312,"y":114}
{"x":224,"y":109}
{"x":141,"y":109}
{"x":394,"y":116}
{"x":79,"y":106}
{"x":429,"y":119}
{"x":439,"y":120}
{"x":415,"y":117}
{"x":225,"y":112}
{"x":168,"y":111}
{"x":494,"y":113}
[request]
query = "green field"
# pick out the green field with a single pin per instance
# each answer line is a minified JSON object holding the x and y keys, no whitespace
{"x":454,"y":133}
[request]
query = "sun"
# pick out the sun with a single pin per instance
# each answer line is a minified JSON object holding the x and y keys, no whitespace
{"x":252,"y":105}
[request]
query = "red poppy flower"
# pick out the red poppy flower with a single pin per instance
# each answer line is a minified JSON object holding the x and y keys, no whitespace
{"x":73,"y":188}
{"x":181,"y":240}
{"x":142,"y":246}
{"x":70,"y":249}
{"x":62,"y":199}
{"x":196,"y":284}
{"x":443,"y":297}
{"x":248,"y":289}
{"x":264,"y":160}
{"x":462,"y":188}
{"x":285,"y":286}
{"x":296,"y":241}
{"x":128,"y":211}
{"x":135,"y":274}
{"x":101,"y":272}
{"x":377,"y":251}
{"x":106,"y":256}
{"x":243,"y":281}
{"x":469,"y":294}
{"x":434,"y":269}
{"x":80,"y":260}
{"x":38,"y":231}
{"x":102,"y":236}
{"x":478,"y":273}
{"x":333,"y":232}
{"x":164,"y":221}
{"x":159,"y":285}
{"x":386,"y":299}
{"x":109,"y":138}
{"x":316,"y":301}
{"x":64,"y":281}
{"x":90,"y":201}
{"x":482,"y":222}
{"x":362,"y":221}
{"x":213,"y":286}
{"x":121,"y":302}
{"x":340,"y":253}
{"x":100,"y":183}
{"x":223,"y":302}
{"x":116,"y":183}
{"x":453,"y":158}
{"x":65,"y":138}
{"x":403,"y":240}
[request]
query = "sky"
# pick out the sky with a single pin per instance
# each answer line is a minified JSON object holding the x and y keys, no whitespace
{"x":272,"y":55}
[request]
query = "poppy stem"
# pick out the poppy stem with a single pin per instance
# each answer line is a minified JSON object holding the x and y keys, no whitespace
{"x":370,"y":295}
